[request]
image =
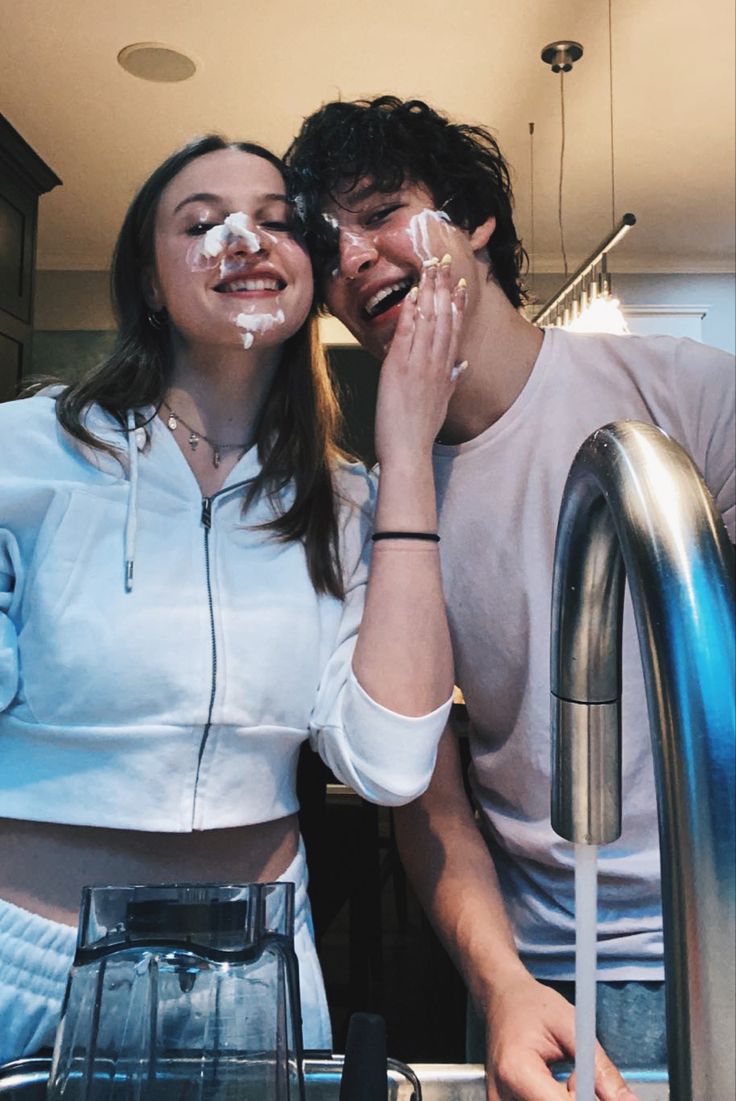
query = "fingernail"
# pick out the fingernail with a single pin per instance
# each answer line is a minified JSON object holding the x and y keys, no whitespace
{"x":460,"y":293}
{"x":446,"y":260}
{"x":431,"y":263}
{"x":458,"y":369}
{"x":414,"y":293}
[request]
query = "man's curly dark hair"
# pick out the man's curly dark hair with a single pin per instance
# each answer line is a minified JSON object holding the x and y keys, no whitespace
{"x":389,"y":142}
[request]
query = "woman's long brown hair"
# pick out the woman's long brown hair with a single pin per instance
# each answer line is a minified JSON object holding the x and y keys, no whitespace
{"x":297,"y":429}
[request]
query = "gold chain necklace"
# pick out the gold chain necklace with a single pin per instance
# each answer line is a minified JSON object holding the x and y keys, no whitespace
{"x":174,"y":420}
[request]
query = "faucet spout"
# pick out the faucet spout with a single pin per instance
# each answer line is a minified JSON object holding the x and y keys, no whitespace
{"x":636,"y":508}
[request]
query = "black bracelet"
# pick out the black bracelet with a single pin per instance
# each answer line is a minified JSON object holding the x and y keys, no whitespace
{"x":427,"y":536}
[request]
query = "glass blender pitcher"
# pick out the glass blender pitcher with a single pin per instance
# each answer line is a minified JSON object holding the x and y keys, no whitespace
{"x":188,"y":993}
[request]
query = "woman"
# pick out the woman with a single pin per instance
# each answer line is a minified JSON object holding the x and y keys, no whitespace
{"x":184,"y":565}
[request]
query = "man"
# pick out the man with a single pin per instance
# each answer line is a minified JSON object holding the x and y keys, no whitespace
{"x":388,"y":187}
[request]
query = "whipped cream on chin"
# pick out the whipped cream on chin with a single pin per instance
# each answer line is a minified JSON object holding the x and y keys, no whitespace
{"x":255,"y":323}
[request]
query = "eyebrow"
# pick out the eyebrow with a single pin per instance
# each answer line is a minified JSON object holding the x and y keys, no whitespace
{"x":208,"y":197}
{"x":199,"y":197}
{"x":365,"y":193}
{"x":357,"y":197}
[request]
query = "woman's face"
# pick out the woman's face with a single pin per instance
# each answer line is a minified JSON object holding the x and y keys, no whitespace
{"x":246,"y":284}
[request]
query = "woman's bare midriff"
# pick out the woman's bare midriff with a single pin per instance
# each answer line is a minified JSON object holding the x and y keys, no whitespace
{"x":43,"y":866}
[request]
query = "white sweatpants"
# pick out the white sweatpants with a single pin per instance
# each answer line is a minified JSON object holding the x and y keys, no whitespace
{"x":36,"y":954}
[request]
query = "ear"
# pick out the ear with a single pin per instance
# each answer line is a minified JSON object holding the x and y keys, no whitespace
{"x":151,"y":290}
{"x":482,"y":233}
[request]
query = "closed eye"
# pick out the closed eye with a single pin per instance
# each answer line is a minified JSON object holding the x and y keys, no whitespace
{"x":199,"y":228}
{"x":381,"y":214}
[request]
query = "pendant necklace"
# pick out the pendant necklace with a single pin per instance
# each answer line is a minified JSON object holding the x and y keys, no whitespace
{"x":174,"y":420}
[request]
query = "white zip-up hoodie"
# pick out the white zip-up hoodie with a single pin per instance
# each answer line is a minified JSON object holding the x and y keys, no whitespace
{"x":161,"y":661}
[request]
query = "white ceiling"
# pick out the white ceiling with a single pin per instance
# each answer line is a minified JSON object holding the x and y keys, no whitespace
{"x":263,"y":66}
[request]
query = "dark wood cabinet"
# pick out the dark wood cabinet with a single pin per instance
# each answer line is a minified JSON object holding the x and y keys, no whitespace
{"x":23,"y":178}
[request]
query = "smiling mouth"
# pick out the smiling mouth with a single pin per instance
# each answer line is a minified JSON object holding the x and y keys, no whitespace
{"x":242,"y":286}
{"x":388,"y":297}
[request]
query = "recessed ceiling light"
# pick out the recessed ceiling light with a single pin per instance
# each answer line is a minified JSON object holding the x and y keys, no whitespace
{"x":152,"y":61}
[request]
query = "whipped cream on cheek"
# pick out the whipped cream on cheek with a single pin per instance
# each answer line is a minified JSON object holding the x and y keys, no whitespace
{"x":418,"y":231}
{"x":216,"y":249}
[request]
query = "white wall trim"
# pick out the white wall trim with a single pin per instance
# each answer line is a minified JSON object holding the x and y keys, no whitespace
{"x":672,"y":320}
{"x":645,"y":265}
{"x":670,"y":311}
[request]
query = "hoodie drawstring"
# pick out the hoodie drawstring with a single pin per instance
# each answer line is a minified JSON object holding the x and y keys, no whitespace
{"x":131,"y":516}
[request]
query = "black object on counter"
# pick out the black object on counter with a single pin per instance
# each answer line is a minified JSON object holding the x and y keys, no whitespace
{"x":365,"y":1074}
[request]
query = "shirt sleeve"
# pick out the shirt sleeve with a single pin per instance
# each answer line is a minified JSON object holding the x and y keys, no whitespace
{"x":386,"y":757}
{"x":705,"y":392}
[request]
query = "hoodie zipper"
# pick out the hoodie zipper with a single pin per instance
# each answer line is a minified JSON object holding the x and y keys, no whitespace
{"x":206,"y":521}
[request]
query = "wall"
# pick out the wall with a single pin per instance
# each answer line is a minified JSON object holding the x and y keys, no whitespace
{"x":74,"y":324}
{"x":717,"y":293}
{"x":73,"y":300}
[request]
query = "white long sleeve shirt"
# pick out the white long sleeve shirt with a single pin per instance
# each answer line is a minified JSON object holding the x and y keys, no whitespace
{"x":181,"y":704}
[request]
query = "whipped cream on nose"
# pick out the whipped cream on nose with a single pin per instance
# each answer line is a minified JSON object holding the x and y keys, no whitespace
{"x":241,"y":226}
{"x":352,"y":243}
{"x":238,"y":229}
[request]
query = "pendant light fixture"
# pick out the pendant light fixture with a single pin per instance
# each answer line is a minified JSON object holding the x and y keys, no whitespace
{"x":584,"y":301}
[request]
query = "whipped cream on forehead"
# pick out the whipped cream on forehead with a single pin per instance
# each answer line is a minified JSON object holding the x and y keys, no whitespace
{"x":418,"y":231}
{"x":300,"y":206}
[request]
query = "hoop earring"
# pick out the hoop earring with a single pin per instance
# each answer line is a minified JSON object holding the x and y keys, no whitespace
{"x":154,"y":319}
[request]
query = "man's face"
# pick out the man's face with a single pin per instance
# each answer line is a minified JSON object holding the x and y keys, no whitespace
{"x":384,"y":240}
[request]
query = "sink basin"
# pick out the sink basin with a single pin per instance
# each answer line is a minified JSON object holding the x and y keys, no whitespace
{"x":466,"y":1082}
{"x":25,"y":1080}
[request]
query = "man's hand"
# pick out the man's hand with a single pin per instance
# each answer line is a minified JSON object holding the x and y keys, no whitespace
{"x":529,"y":1026}
{"x":420,"y":372}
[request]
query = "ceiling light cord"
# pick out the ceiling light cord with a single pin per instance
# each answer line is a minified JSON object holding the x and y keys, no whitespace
{"x":562,"y":163}
{"x":579,"y":290}
{"x":610,"y":102}
{"x":531,"y":196}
